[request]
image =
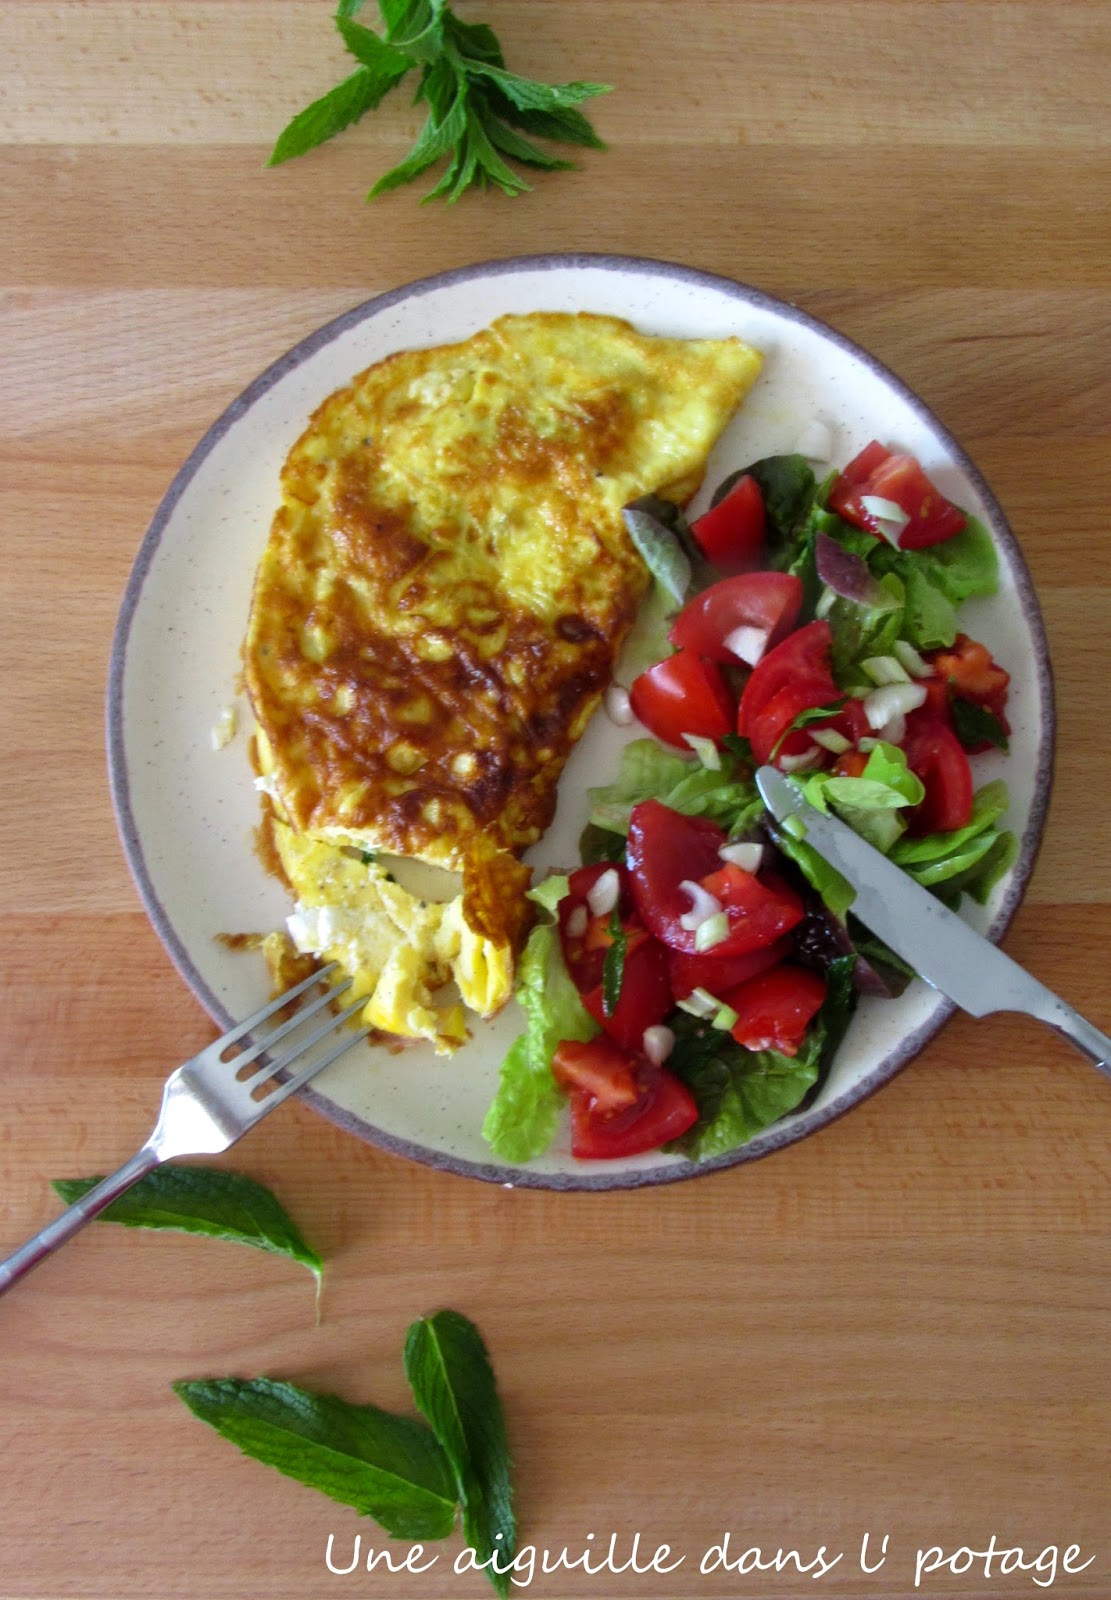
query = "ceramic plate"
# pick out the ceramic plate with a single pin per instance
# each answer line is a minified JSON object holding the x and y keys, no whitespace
{"x":187,"y":812}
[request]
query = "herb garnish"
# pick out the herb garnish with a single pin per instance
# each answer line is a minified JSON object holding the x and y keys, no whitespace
{"x":205,"y":1200}
{"x":476,"y":107}
{"x":410,"y":1478}
{"x":613,"y":967}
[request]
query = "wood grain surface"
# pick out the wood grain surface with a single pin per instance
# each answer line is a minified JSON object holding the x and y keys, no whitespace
{"x":897,"y":1327}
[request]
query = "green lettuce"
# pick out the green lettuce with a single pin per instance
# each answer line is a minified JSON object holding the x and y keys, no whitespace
{"x":871,"y":803}
{"x":649,"y":772}
{"x":740,"y":1092}
{"x":522,"y":1119}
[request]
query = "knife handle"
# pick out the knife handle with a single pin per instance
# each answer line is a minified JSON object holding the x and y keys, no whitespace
{"x":1082,"y":1033}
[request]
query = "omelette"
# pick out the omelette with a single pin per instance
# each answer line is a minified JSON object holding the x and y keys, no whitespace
{"x":445,"y":590}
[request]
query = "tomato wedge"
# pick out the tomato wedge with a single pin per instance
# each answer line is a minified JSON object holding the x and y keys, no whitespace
{"x":767,"y":601}
{"x":665,"y":1110}
{"x":644,"y":997}
{"x":666,"y":849}
{"x":775,"y":1009}
{"x":877,"y":472}
{"x":732,"y":533}
{"x":795,"y":676}
{"x":599,"y":1069}
{"x":718,"y":974}
{"x":683,"y":694}
{"x":936,"y":755}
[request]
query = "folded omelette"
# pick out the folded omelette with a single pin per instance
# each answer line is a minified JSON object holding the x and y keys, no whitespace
{"x":445,"y":590}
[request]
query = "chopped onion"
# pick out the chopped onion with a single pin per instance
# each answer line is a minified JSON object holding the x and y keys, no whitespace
{"x":815,"y":442}
{"x":800,"y":763}
{"x":825,"y":603}
{"x":891,"y":700}
{"x":895,"y":731}
{"x":617,"y":705}
{"x":578,"y":922}
{"x":747,"y":644}
{"x":911,"y":660}
{"x":700,"y":1003}
{"x":749,"y":857}
{"x":725,"y":1019}
{"x":658,"y":1043}
{"x":866,"y":745}
{"x":830,"y":739}
{"x":603,"y":895}
{"x":885,"y":669}
{"x":890,"y":518}
{"x":711,"y":932}
{"x":705,"y":749}
{"x":703,"y":906}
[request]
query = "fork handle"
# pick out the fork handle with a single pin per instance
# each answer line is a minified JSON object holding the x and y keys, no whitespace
{"x":75,"y":1217}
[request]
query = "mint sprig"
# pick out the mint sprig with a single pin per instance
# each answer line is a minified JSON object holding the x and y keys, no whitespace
{"x":479,"y":112}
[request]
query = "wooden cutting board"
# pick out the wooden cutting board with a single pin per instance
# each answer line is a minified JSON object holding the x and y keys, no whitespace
{"x":895,"y":1328}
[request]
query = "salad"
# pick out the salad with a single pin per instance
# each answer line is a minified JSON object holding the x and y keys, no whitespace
{"x":688,"y":984}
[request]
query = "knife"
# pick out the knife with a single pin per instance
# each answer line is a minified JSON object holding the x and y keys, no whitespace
{"x":952,"y":957}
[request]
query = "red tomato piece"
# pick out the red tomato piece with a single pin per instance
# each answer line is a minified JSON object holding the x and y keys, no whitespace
{"x":665,"y":848}
{"x":585,"y":938}
{"x":899,"y":478}
{"x":775,"y":1009}
{"x":645,"y":996}
{"x":683,"y":694}
{"x":760,"y":909}
{"x":858,"y":471}
{"x":666,"y":1110}
{"x":600,"y":1070}
{"x":718,"y":974}
{"x":732,"y":533}
{"x":770,"y":601}
{"x":584,"y":949}
{"x":802,"y":657}
{"x":936,"y":755}
{"x":768,"y":731}
{"x":967,"y":671}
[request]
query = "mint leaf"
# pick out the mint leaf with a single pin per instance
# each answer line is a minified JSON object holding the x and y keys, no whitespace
{"x":389,"y":1468}
{"x":333,"y":112}
{"x":475,"y":103}
{"x":976,"y":725}
{"x":204,"y":1200}
{"x":453,"y":1385}
{"x":613,"y":966}
{"x":528,"y":95}
{"x":365,"y":45}
{"x":563,"y":124}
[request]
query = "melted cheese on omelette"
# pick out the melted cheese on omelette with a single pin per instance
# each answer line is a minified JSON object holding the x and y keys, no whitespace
{"x":440,"y":605}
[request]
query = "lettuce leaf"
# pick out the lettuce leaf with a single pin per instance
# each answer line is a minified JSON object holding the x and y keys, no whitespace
{"x":523,"y":1116}
{"x":649,"y":772}
{"x":869,"y":804}
{"x":740,"y":1092}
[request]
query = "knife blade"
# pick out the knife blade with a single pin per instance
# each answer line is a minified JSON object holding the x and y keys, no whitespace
{"x":941,"y":947}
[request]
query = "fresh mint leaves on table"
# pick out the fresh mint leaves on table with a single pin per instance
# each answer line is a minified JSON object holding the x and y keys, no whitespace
{"x":453,"y":1384}
{"x":204,"y":1200}
{"x":479,"y":113}
{"x":410,"y":1478}
{"x":389,"y":1468}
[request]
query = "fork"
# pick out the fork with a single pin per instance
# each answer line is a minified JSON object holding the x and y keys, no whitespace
{"x":207,"y":1104}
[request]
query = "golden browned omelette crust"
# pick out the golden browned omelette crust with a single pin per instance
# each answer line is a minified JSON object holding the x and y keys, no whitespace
{"x":448,"y":581}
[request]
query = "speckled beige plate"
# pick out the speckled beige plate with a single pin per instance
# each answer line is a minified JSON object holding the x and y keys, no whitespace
{"x":186,"y":813}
